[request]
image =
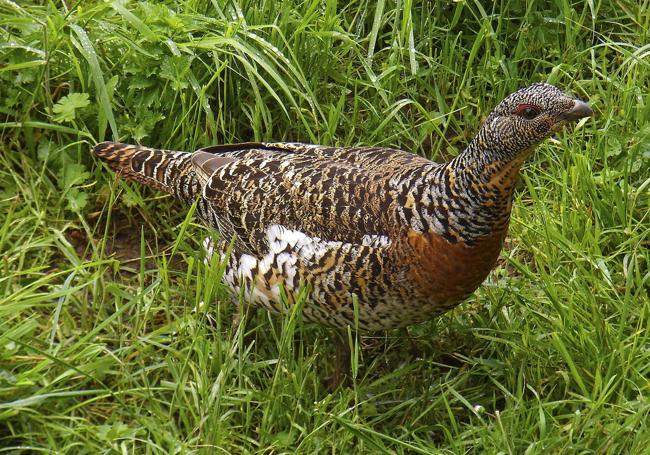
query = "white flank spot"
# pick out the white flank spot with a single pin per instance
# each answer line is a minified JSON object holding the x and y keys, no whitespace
{"x":288,"y":249}
{"x":246,"y":265}
{"x":375,"y":240}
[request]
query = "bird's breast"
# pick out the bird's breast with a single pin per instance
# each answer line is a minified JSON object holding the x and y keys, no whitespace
{"x":447,"y":273}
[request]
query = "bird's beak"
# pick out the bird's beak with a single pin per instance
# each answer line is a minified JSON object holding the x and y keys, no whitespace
{"x":579,"y":110}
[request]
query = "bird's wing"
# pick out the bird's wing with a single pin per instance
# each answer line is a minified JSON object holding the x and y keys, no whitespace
{"x":322,"y":192}
{"x":371,"y":159}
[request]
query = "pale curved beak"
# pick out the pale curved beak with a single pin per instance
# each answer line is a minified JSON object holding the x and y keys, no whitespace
{"x":579,"y":110}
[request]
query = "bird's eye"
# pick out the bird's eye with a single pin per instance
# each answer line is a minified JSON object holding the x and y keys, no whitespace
{"x":527,"y":111}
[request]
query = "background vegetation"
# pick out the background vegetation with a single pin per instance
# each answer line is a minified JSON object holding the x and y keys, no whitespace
{"x":106,"y":344}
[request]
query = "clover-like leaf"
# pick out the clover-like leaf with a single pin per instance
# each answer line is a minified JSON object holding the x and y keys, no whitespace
{"x":66,"y":108}
{"x":77,"y":200}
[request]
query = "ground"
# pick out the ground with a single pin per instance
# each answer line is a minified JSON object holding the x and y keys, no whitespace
{"x":115,"y":336}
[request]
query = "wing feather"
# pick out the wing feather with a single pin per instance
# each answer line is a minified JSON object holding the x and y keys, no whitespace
{"x":321,"y":192}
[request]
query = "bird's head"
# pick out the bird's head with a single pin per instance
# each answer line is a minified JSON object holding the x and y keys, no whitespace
{"x":527,"y":117}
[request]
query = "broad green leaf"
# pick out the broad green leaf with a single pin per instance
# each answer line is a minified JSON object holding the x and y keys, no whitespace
{"x":66,"y":108}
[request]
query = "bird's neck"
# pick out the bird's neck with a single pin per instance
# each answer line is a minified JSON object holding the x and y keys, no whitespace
{"x":477,"y":188}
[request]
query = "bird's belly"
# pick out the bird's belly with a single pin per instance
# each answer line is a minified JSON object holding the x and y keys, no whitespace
{"x":345,"y":284}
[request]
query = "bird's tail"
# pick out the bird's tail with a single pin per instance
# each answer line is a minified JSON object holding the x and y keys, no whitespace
{"x":165,"y":170}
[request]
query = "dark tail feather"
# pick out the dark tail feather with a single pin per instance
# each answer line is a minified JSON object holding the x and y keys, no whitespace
{"x":164,"y":170}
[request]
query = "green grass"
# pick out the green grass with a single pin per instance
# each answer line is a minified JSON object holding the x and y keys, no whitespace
{"x":106,"y":345}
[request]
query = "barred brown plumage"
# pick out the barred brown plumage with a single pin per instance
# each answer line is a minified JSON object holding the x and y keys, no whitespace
{"x":408,"y":237}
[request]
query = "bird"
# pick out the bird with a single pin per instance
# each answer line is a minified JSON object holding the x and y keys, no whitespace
{"x":379,"y":238}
